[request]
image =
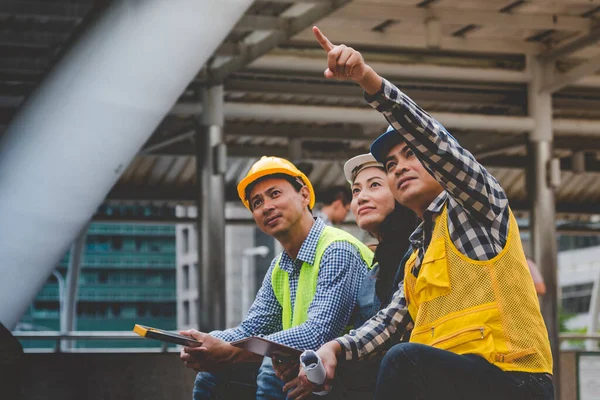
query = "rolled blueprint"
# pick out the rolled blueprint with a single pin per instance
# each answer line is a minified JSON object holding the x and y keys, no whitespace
{"x":315,"y":371}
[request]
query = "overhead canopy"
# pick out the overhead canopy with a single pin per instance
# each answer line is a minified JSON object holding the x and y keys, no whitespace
{"x":462,"y":60}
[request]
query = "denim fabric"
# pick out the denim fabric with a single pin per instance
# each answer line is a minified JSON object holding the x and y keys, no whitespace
{"x":243,"y":381}
{"x":416,"y":371}
{"x":367,"y":302}
{"x":269,"y":385}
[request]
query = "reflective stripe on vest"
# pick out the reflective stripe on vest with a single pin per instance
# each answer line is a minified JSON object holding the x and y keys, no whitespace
{"x":488,"y":308}
{"x":307,"y":281}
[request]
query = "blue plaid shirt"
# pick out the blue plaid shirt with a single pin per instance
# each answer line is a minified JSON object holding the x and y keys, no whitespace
{"x":341,"y":273}
{"x":478,"y":211}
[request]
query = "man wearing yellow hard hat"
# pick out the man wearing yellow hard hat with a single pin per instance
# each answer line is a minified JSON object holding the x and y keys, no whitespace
{"x":309,"y":292}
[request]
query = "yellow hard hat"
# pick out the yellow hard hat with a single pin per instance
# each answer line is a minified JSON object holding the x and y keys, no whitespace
{"x":269,"y":166}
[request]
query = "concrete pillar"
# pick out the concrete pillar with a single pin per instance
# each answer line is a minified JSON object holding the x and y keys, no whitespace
{"x":210,"y":172}
{"x":592,"y":345}
{"x":70,"y":301}
{"x":541,"y":191}
{"x":81,"y":127}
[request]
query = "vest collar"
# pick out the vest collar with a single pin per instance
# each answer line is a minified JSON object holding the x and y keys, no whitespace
{"x":307,"y":251}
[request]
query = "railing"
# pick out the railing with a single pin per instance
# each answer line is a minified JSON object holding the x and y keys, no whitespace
{"x":579,"y":336}
{"x":60,"y":339}
{"x":131,"y":229}
{"x":112,"y":261}
{"x":63,"y":346}
{"x":115,"y":293}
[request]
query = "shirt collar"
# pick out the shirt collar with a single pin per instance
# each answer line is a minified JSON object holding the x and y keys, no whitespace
{"x":437,"y":204}
{"x":308,"y":249}
{"x":435,"y":207}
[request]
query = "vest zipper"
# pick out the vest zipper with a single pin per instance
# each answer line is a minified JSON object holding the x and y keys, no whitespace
{"x":459,"y":333}
{"x":423,"y":329}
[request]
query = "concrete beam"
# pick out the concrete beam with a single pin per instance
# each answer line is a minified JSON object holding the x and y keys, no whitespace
{"x":560,"y":81}
{"x":462,"y":16}
{"x":189,"y":195}
{"x":394,"y":40}
{"x":571,"y":47}
{"x":292,"y":21}
{"x":261,"y":22}
{"x":291,"y":63}
{"x":367,"y":116}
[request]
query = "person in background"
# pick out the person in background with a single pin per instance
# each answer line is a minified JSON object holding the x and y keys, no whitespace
{"x":538,"y":280}
{"x":307,"y":295}
{"x":336,"y":205}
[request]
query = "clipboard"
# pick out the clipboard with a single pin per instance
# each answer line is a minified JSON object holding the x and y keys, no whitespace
{"x":267,"y":348}
{"x":164,"y":336}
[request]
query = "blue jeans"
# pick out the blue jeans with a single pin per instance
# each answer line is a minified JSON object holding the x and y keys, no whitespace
{"x":415,"y":371}
{"x":242,"y":381}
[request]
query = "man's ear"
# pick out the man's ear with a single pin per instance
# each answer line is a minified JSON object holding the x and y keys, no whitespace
{"x":305,"y":193}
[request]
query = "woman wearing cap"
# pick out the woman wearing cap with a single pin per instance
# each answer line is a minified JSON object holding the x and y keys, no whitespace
{"x":376,"y":212}
{"x":379,"y":214}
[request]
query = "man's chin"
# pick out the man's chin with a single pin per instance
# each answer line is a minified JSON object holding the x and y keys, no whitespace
{"x":407,"y":197}
{"x":275,"y":229}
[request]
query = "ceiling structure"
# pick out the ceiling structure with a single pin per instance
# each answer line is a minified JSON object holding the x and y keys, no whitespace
{"x":464,"y":61}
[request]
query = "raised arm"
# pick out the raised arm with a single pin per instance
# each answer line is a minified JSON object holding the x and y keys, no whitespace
{"x":467,"y":181}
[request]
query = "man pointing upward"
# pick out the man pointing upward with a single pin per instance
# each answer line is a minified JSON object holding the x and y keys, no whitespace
{"x":467,"y":292}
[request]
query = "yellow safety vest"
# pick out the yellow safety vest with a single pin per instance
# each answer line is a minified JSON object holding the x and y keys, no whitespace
{"x":307,"y":281}
{"x":488,"y":308}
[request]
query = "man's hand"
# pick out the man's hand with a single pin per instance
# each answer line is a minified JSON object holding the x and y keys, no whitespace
{"x":286,"y":370}
{"x":302,"y":387}
{"x":345,"y":63}
{"x":212,"y":355}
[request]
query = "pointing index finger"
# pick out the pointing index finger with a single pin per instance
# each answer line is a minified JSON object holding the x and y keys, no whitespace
{"x":322,"y":39}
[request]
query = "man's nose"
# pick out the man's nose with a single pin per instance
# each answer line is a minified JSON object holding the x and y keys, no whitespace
{"x":401,"y":168}
{"x":268,"y":206}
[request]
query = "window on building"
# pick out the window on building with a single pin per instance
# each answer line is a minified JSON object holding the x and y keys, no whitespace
{"x":186,"y":312}
{"x":117,"y":243}
{"x":186,"y":277}
{"x":576,"y":298}
{"x":185,"y":233}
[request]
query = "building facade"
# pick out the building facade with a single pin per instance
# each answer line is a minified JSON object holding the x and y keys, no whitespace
{"x":244,"y":274}
{"x":127,"y":277}
{"x":578,"y":273}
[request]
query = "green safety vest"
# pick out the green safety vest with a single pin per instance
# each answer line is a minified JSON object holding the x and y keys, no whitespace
{"x":307,"y":282}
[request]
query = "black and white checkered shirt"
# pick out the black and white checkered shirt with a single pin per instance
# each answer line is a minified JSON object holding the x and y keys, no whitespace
{"x":478,"y":211}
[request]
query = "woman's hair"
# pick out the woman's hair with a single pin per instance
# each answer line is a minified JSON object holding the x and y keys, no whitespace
{"x":394,"y":233}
